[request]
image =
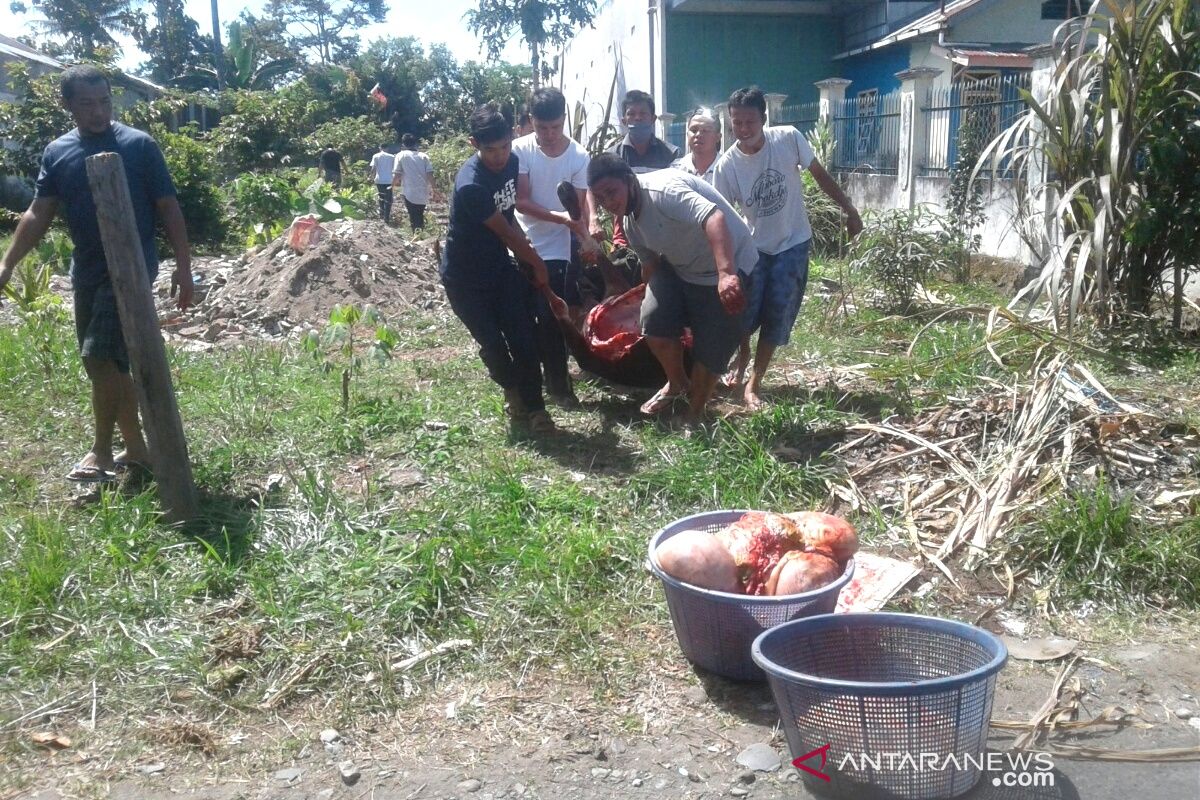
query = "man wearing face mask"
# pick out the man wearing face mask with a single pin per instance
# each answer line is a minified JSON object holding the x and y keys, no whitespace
{"x":643,"y":152}
{"x":641,"y":149}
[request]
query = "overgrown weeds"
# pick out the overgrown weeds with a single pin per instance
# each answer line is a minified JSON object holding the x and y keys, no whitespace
{"x":1093,"y":544}
{"x":349,"y":539}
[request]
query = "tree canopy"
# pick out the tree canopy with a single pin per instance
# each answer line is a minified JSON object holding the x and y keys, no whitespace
{"x":84,"y":28}
{"x":541,"y":24}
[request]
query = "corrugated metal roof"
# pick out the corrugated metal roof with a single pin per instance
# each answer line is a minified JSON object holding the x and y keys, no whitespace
{"x":972,"y":57}
{"x":12,"y":47}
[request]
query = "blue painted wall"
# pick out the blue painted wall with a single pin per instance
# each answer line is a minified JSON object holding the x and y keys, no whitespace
{"x":710,"y":55}
{"x":874,"y":70}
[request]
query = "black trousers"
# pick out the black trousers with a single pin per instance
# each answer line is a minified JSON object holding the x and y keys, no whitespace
{"x":500,"y":317}
{"x":416,"y":214}
{"x":385,"y":201}
{"x":564,"y":281}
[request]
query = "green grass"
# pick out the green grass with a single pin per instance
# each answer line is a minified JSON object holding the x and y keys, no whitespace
{"x":1096,"y":545}
{"x":532,"y":550}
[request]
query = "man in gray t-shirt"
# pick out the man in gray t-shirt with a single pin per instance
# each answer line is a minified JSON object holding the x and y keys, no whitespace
{"x":696,"y":255}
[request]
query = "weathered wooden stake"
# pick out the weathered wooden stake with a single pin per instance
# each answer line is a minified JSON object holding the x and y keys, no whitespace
{"x":139,"y":324}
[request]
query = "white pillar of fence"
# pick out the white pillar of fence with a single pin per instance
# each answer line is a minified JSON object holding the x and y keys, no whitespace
{"x":665,"y":119}
{"x":774,"y":106}
{"x":833,"y":90}
{"x":722,"y":111}
{"x":914,"y":88}
{"x":1041,"y":198}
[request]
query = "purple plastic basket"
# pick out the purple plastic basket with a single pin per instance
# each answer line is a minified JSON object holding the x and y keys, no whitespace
{"x":876,"y":688}
{"x":716,"y":629}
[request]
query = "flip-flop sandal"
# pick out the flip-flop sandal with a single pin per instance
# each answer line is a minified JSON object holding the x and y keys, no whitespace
{"x":124,"y":465}
{"x":86,"y":473}
{"x":729,"y":380}
{"x":661,"y":400}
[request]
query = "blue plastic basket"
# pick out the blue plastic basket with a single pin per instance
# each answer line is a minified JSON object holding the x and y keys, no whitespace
{"x":716,"y":629}
{"x":874,"y":687}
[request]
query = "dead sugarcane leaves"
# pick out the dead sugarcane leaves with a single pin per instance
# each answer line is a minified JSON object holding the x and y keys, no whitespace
{"x":50,"y":740}
{"x":980,"y":466}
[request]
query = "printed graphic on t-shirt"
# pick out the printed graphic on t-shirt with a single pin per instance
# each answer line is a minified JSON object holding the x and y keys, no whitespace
{"x":769,"y":193}
{"x":506,"y":198}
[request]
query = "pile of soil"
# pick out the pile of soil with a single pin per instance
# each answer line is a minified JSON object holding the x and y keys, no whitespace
{"x":359,"y":262}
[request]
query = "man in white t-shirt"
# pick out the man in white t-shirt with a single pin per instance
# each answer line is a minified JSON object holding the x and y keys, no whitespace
{"x":414,"y":177}
{"x":380,"y":171}
{"x":760,"y":175}
{"x":547,"y":158}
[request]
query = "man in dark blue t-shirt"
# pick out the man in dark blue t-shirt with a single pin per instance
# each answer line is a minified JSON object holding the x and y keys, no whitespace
{"x":62,"y":184}
{"x":485,"y":289}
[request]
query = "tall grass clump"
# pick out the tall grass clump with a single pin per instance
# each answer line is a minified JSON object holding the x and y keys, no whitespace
{"x":1110,"y":209}
{"x":1095,"y":545}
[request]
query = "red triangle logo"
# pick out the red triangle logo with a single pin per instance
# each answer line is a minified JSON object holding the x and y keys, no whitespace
{"x":823,"y":752}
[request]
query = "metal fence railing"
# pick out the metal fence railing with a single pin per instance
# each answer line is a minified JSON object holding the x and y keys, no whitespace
{"x":969,"y":111}
{"x":801,"y":116}
{"x":866,"y":130}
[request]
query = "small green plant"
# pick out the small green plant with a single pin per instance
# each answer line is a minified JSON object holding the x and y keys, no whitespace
{"x":350,"y":328}
{"x":964,"y":196}
{"x":899,"y":248}
{"x":54,"y":251}
{"x":42,"y":314}
{"x":824,"y":215}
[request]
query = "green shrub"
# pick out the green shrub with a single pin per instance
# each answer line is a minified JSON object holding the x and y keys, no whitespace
{"x":262,"y":205}
{"x":898,"y":249}
{"x":30,"y":123}
{"x":356,"y":138}
{"x":191,"y":166}
{"x":264,"y":129}
{"x":448,"y":155}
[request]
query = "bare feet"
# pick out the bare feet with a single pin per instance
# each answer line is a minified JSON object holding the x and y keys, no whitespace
{"x":752,"y":399}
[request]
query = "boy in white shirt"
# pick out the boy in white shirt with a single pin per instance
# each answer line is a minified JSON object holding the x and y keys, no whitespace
{"x":414,"y":176}
{"x":759,"y":175}
{"x":548,"y":157}
{"x":381,"y":172}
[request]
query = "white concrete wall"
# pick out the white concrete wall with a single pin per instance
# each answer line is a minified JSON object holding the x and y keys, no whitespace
{"x":882,"y":192}
{"x":618,"y":42}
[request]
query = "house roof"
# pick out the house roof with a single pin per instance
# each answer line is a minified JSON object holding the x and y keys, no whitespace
{"x":14,"y":48}
{"x":929,"y":23}
{"x":989,"y":56}
{"x":17,"y":49}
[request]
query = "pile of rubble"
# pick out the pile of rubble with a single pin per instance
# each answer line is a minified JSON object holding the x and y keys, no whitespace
{"x":275,"y":289}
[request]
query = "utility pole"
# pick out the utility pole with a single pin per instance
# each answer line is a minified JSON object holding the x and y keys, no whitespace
{"x":218,"y":52}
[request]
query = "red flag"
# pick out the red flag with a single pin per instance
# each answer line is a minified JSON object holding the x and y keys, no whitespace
{"x":378,"y":96}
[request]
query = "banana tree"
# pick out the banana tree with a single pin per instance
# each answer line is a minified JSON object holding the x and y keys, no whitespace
{"x":242,"y":70}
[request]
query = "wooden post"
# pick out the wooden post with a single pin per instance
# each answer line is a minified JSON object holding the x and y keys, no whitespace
{"x":139,"y":324}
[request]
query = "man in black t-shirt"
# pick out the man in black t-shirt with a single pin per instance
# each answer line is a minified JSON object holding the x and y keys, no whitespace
{"x":486,"y":291}
{"x":332,"y":163}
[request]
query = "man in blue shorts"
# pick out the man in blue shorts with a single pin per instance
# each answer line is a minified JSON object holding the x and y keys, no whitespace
{"x":761,"y":175}
{"x":62,"y":184}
